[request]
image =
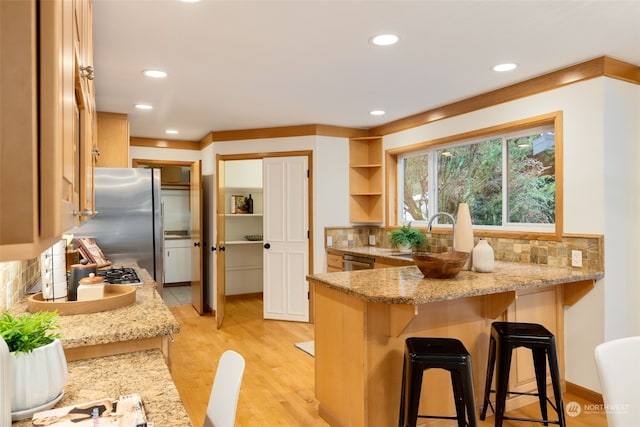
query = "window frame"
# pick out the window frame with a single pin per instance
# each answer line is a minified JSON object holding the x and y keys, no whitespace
{"x":506,"y":130}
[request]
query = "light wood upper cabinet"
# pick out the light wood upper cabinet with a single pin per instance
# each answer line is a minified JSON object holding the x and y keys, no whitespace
{"x":41,"y":126}
{"x":365,"y":180}
{"x":113,"y":140}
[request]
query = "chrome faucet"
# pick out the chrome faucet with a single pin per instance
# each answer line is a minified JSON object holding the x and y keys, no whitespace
{"x":453,"y":223}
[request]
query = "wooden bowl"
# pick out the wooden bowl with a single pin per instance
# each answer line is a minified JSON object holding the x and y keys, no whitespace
{"x":444,"y":265}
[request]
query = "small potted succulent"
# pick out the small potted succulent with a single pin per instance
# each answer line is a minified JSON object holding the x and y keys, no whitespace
{"x":37,"y":360}
{"x":406,"y":238}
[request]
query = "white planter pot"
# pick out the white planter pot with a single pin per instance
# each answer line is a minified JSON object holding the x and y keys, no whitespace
{"x":39,"y":377}
{"x":5,"y":385}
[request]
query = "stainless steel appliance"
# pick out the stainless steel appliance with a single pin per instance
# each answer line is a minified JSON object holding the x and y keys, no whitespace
{"x":128,"y":226}
{"x":120,"y":276}
{"x":356,"y":262}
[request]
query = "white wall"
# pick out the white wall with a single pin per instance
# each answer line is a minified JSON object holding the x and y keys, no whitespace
{"x":601,"y":182}
{"x":172,"y":154}
{"x":330,"y":179}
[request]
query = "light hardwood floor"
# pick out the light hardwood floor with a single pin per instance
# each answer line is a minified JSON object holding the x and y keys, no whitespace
{"x":277,"y":388}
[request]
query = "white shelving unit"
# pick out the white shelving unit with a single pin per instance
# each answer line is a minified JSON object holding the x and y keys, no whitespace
{"x":243,"y":257}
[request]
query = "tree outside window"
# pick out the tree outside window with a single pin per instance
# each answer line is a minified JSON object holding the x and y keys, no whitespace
{"x":504,"y":179}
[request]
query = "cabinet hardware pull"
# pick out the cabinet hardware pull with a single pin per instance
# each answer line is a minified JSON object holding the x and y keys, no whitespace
{"x":267,"y":245}
{"x":85,"y":212}
{"x":87,"y":72}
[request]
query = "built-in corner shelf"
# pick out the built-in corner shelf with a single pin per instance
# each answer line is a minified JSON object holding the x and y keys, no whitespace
{"x":365,"y":180}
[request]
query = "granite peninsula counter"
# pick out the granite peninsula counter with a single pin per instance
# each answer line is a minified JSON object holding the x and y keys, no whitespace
{"x":362,"y":319}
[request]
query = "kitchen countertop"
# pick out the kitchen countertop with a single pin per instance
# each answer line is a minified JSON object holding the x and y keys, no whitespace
{"x":148,"y":317}
{"x":407,"y":285}
{"x":143,"y":372}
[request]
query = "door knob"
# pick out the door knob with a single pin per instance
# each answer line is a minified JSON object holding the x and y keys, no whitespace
{"x":196,"y":244}
{"x":267,"y":245}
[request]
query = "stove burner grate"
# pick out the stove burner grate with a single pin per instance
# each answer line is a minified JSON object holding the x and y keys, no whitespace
{"x":120,"y":276}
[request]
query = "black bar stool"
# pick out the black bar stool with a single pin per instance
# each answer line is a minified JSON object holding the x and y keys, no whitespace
{"x":506,"y":336}
{"x":443,"y":353}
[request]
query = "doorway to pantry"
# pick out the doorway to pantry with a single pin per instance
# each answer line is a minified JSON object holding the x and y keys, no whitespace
{"x":268,"y":251}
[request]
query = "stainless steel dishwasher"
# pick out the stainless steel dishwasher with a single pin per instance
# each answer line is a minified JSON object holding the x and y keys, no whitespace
{"x":357,"y":262}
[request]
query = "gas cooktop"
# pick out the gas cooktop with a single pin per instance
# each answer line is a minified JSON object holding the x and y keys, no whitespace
{"x":120,"y":276}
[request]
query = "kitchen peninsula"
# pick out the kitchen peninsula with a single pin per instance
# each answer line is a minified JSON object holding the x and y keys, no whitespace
{"x":362,"y":319}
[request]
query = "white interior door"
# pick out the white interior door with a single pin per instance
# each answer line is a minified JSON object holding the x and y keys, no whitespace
{"x":286,"y":238}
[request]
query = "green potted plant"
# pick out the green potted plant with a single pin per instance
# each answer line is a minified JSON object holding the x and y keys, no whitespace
{"x":37,"y":361}
{"x":406,"y":238}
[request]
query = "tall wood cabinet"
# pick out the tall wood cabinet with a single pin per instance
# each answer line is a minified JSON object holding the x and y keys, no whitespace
{"x":46,"y":123}
{"x":365,"y":180}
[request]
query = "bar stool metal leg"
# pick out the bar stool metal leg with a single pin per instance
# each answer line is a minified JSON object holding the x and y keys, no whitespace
{"x":503,"y":361}
{"x":540,"y":365}
{"x":489,"y":377}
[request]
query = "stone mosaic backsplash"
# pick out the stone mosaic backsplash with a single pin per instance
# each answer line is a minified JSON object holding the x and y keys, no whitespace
{"x":550,"y":252}
{"x":16,"y":278}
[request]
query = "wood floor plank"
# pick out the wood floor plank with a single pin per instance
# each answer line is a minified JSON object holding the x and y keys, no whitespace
{"x":278,"y":384}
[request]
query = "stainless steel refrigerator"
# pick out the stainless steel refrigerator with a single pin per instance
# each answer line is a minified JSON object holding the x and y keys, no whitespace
{"x":128,"y":225}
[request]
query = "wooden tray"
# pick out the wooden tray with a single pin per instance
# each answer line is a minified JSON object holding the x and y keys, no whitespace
{"x":115,"y":296}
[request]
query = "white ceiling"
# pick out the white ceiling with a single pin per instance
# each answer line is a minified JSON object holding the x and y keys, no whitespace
{"x":251,"y":64}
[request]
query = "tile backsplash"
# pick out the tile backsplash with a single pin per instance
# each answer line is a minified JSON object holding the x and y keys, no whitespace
{"x":16,"y":278}
{"x":550,"y":252}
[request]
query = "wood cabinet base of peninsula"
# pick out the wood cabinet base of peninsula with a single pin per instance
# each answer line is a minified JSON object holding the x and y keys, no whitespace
{"x":359,"y":349}
{"x":163,"y":343}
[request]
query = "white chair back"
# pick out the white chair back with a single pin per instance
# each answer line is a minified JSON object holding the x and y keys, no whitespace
{"x":223,"y":402}
{"x":617,"y":362}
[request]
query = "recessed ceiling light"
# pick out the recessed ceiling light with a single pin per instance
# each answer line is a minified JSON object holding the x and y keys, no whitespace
{"x":171,"y":131}
{"x":144,"y":107}
{"x":154,"y":73}
{"x":190,"y":1}
{"x":505,"y":67}
{"x":377,"y":112}
{"x":384,"y":39}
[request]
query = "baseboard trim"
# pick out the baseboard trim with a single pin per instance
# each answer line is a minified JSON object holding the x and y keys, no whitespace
{"x":584,"y":393}
{"x":245,"y":296}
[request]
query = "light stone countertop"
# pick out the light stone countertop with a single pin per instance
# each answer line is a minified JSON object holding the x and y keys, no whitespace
{"x":148,"y":317}
{"x":143,"y":372}
{"x":407,"y":285}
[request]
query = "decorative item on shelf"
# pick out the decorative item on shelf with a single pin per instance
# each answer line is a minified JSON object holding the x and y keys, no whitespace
{"x":249,"y":203}
{"x":406,"y":238}
{"x":38,"y":364}
{"x":463,"y":233}
{"x":253,"y":237}
{"x":482,"y":257}
{"x":239,"y":205}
